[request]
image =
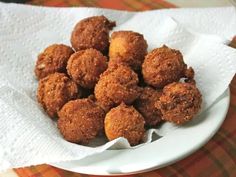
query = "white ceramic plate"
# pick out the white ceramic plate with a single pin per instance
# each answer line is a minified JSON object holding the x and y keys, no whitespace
{"x":166,"y":150}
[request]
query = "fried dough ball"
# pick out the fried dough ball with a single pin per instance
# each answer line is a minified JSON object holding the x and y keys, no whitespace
{"x":124,"y":121}
{"x":145,"y":104}
{"x":180,"y":102}
{"x":53,"y":59}
{"x":80,"y":120}
{"x":128,"y":48}
{"x":85,"y":67}
{"x":116,"y":85}
{"x":54,"y":91}
{"x":163,"y":66}
{"x":92,"y":32}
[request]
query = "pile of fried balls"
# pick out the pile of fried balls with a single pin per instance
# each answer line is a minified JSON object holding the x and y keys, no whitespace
{"x":112,"y":85}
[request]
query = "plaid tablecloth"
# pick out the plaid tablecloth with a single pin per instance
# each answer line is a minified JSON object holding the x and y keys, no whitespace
{"x":216,"y":159}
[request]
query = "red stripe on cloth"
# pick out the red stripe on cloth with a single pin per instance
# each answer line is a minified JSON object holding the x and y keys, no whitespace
{"x":53,"y":3}
{"x":165,"y":3}
{"x":227,"y":146}
{"x":137,"y":5}
{"x":114,"y":4}
{"x":111,"y":4}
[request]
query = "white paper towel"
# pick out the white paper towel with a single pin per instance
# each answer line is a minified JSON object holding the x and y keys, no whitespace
{"x":28,"y":136}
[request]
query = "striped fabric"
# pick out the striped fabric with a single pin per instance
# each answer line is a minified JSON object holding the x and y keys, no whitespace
{"x":131,"y":5}
{"x":216,"y":159}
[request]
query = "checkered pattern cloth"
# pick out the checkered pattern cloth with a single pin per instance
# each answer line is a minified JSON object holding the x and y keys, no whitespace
{"x":216,"y":159}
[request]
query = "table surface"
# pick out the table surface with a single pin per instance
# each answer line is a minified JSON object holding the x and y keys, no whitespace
{"x":216,"y":158}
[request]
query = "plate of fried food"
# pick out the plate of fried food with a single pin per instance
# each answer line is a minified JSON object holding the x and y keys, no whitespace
{"x":113,"y":87}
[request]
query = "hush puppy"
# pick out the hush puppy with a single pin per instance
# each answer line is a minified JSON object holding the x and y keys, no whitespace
{"x":53,"y":59}
{"x":145,"y":104}
{"x":116,"y":85}
{"x":54,"y":91}
{"x":124,"y":121}
{"x":127,"y":47}
{"x":85,"y":67}
{"x":92,"y":32}
{"x":163,"y":66}
{"x":80,"y":120}
{"x":179,"y":102}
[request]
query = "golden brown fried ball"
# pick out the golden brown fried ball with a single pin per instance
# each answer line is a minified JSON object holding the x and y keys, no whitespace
{"x":116,"y":85}
{"x":179,"y":102}
{"x":124,"y":121}
{"x":128,"y":48}
{"x":145,"y":104}
{"x":85,"y":67}
{"x":53,"y":59}
{"x":54,"y":91}
{"x":81,"y":120}
{"x":92,"y":32}
{"x":163,"y":66}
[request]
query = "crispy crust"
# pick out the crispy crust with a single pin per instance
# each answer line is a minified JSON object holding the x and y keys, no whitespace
{"x":116,"y":85}
{"x":53,"y":59}
{"x":145,"y":104}
{"x":85,"y":67}
{"x":54,"y":91}
{"x":127,"y":48}
{"x":81,"y":120}
{"x":92,"y":32}
{"x":163,"y":66}
{"x":124,"y":121}
{"x":179,"y":102}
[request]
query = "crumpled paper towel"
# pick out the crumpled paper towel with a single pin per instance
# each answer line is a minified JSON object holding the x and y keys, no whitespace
{"x":28,"y":136}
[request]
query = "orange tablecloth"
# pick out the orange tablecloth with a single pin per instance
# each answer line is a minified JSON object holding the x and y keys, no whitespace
{"x":216,"y":158}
